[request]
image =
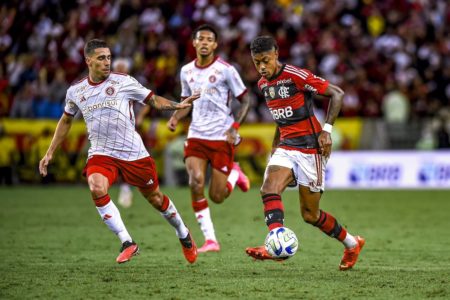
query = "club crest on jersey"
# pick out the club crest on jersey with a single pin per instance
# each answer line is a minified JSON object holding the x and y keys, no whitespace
{"x":212,"y":78}
{"x":272,"y":92}
{"x":283,"y":91}
{"x":110,"y":91}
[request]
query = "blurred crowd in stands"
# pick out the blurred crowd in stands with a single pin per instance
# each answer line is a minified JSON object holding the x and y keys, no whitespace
{"x":391,"y":57}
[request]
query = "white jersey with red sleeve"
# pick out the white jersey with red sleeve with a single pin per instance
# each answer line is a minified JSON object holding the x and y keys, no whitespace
{"x":216,"y":83}
{"x":107,"y":108}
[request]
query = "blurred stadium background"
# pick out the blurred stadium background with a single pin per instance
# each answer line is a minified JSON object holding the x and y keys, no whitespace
{"x":391,"y":58}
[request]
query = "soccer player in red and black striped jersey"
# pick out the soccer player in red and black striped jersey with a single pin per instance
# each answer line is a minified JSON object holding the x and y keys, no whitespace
{"x":301,"y":146}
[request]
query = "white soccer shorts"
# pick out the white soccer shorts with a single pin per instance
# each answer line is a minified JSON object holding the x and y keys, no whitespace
{"x":308,"y":169}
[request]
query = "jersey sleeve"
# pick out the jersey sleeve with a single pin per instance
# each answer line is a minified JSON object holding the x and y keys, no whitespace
{"x":70,"y":107}
{"x":235,"y":83}
{"x":306,"y":80}
{"x":136,"y":91}
{"x":185,"y":89}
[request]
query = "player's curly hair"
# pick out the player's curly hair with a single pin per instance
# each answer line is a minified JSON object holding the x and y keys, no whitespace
{"x":206,"y":27}
{"x":263,"y":44}
{"x":91,"y":45}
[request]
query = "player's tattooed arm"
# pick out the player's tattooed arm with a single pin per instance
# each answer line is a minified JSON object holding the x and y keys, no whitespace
{"x":161,"y":103}
{"x":336,"y":95}
{"x":243,"y":111}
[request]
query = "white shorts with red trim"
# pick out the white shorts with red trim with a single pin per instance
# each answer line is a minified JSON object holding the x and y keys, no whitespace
{"x":308,"y":169}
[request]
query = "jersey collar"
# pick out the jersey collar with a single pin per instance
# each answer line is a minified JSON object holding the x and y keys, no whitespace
{"x":96,"y":83}
{"x":204,"y":67}
{"x":278,"y":74}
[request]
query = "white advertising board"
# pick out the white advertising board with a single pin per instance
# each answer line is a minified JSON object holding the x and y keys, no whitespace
{"x":388,"y":170}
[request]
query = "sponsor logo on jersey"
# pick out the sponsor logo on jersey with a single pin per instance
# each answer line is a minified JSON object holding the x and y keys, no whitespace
{"x":281,"y":113}
{"x":284,"y":81}
{"x":113,"y":81}
{"x":272,"y":92}
{"x":70,"y":104}
{"x":80,"y":89}
{"x":110,"y":103}
{"x":110,"y":91}
{"x":212,"y":78}
{"x":310,"y":88}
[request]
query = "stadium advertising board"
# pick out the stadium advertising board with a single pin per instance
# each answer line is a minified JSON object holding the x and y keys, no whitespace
{"x":388,"y":169}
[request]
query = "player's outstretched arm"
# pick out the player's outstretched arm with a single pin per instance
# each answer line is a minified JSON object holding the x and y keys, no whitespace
{"x":177,"y":116}
{"x":336,"y":95}
{"x":162,"y":103}
{"x":62,"y":129}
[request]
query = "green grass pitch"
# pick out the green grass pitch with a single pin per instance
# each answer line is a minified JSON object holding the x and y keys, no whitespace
{"x":54,"y":246}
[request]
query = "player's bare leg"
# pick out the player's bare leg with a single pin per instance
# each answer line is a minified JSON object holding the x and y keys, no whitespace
{"x":196,"y":168}
{"x":169,"y":212}
{"x":312,"y":214}
{"x":98,"y":185}
{"x":276,"y":178}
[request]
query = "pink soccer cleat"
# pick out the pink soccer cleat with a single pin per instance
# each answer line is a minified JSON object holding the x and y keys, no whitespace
{"x":209,"y":246}
{"x":128,"y":250}
{"x":243,"y":182}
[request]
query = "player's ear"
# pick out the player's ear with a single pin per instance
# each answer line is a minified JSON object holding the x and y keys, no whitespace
{"x":87,"y":59}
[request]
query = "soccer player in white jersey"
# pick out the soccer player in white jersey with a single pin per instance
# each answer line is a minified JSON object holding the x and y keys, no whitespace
{"x":213,"y":132}
{"x":125,"y":198}
{"x":106,"y":102}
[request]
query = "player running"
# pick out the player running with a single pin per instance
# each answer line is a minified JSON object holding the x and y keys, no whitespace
{"x":213,"y":132}
{"x":106,"y":101}
{"x":301,"y":147}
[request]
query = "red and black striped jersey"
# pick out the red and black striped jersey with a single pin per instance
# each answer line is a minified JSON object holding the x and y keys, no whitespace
{"x":289,"y":96}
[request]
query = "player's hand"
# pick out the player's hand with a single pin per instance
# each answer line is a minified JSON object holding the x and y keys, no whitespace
{"x":44,"y":163}
{"x":325,"y":144}
{"x":231,"y":135}
{"x":172,"y":123}
{"x":188,"y":101}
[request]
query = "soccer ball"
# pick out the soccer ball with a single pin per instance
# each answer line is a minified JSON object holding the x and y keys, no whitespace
{"x":281,"y":242}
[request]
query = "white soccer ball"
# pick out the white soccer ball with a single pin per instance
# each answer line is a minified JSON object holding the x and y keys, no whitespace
{"x":281,"y":242}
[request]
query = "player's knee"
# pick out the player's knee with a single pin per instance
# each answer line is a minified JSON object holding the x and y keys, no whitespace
{"x":97,"y":190}
{"x":270,"y":188}
{"x":155,"y":199}
{"x":196,"y":183}
{"x":216,"y":197}
{"x":310,"y":217}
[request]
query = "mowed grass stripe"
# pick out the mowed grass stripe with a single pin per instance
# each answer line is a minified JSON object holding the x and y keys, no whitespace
{"x":55,"y":246}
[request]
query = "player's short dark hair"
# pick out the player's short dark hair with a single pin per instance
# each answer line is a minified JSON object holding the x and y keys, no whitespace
{"x":263,"y":44}
{"x":91,"y":45}
{"x":205,"y":27}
